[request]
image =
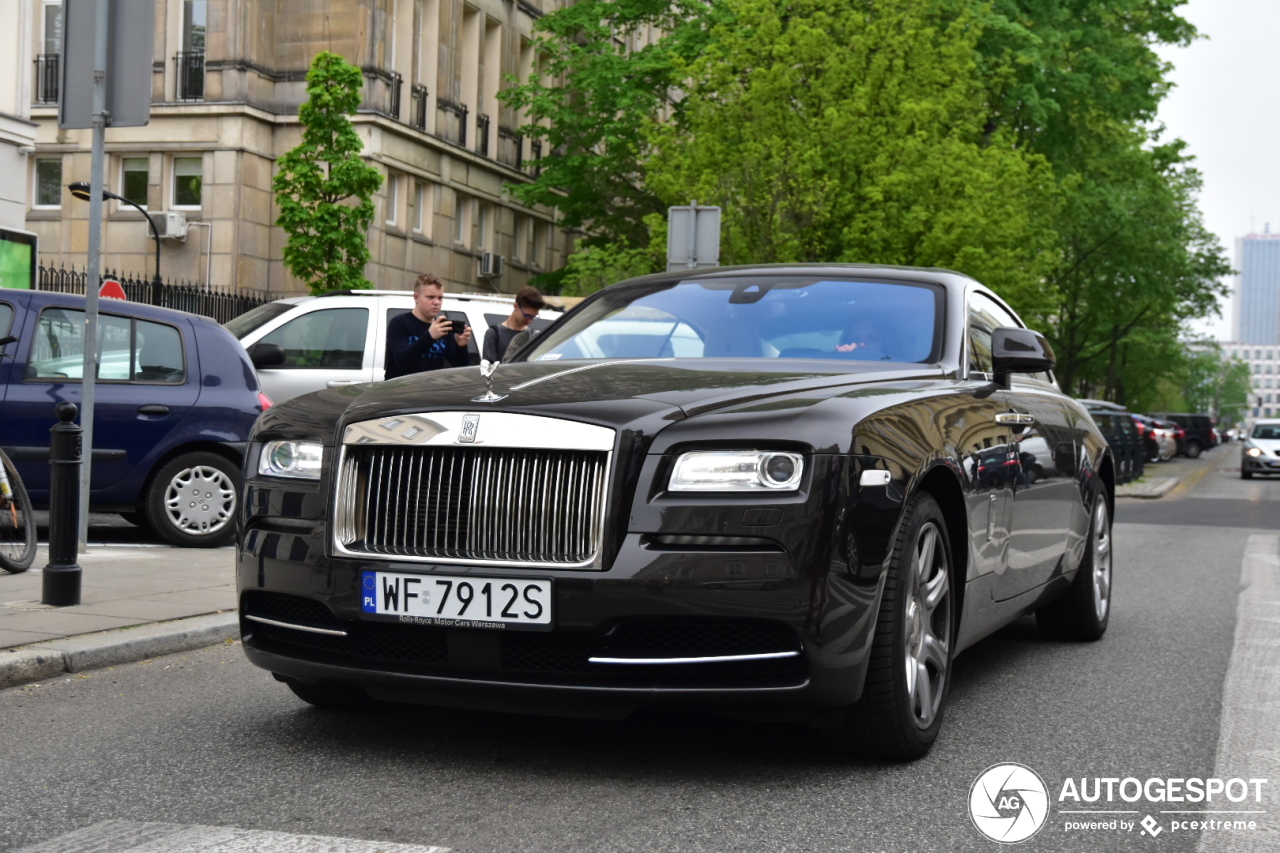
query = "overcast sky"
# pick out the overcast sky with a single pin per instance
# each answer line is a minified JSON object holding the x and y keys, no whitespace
{"x":1226,"y":106}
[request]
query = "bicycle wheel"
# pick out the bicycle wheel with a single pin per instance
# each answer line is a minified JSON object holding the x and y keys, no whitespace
{"x":17,"y":524}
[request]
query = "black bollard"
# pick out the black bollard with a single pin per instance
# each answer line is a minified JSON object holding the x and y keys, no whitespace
{"x":62,"y":575}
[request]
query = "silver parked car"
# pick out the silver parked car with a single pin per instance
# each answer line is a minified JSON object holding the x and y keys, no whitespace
{"x":1260,"y":453}
{"x":340,"y":338}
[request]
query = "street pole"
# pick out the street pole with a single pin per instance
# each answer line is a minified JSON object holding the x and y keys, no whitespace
{"x":102,"y":19}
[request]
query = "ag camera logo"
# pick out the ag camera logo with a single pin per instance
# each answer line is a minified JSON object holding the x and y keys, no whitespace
{"x":1008,"y":803}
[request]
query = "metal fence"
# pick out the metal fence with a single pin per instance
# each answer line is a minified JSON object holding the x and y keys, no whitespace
{"x":220,"y":304}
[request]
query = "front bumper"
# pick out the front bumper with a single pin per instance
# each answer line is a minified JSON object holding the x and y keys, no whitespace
{"x":1263,"y":464}
{"x":736,"y":611}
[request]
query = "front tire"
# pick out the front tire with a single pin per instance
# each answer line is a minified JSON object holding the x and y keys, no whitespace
{"x":1193,"y":449}
{"x":1245,"y":474}
{"x":192,"y":500}
{"x":1083,"y":613}
{"x":17,"y":524}
{"x":900,"y":713}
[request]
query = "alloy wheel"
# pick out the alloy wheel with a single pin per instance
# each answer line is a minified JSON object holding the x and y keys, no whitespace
{"x":927,"y":630}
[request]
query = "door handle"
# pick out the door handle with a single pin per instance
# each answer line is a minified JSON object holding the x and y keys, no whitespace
{"x":1015,"y":419}
{"x":153,"y":409}
{"x":335,"y":383}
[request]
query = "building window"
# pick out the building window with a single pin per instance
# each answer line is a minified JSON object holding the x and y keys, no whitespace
{"x":485,"y":225}
{"x":188,"y":181}
{"x":423,"y":207}
{"x":190,"y":60}
{"x":520,"y":238}
{"x":462,"y":220}
{"x":393,"y":198}
{"x":539,"y":244}
{"x":48,"y":182}
{"x":134,"y":175}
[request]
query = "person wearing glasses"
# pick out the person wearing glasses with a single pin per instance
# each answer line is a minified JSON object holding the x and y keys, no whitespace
{"x":528,"y":303}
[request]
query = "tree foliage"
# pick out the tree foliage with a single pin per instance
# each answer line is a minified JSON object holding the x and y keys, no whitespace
{"x":323,"y":189}
{"x":1012,"y":140}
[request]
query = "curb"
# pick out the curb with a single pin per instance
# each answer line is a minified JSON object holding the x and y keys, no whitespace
{"x":52,"y":658}
{"x":1156,"y":487}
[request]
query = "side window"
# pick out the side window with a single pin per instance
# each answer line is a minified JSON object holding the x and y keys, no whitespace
{"x":158,"y":353}
{"x":114,"y":348}
{"x":6,"y":318}
{"x":986,"y":315}
{"x":58,"y":350}
{"x":332,"y":337}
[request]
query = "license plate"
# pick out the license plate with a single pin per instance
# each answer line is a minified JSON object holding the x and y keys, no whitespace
{"x":457,"y":601}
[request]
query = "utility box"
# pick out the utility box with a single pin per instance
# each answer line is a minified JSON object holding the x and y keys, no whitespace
{"x":172,"y":224}
{"x":693,"y":237}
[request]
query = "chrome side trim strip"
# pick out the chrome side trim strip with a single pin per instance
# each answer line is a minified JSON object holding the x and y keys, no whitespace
{"x":713,"y":659}
{"x":265,"y":621}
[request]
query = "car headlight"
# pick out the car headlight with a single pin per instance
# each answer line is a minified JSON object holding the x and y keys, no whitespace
{"x":736,"y":471}
{"x":1253,"y":451}
{"x":300,"y":459}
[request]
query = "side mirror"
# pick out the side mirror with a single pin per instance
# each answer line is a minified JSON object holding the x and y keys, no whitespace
{"x":517,"y":343}
{"x":266,"y":355}
{"x":6,"y":340}
{"x":1016,"y":350}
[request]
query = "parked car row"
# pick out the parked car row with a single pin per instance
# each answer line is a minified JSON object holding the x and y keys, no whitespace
{"x":176,"y":394}
{"x":1138,"y":439}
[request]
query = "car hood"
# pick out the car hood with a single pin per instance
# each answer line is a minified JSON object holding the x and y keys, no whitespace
{"x":1269,"y":445}
{"x":624,"y":393}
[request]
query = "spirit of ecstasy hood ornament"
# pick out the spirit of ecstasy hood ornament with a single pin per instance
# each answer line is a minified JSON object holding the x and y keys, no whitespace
{"x":487,"y":369}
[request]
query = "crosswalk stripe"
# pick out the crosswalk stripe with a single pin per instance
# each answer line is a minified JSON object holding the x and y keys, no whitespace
{"x":122,"y":836}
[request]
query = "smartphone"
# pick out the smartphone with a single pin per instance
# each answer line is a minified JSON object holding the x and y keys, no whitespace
{"x":459,"y":326}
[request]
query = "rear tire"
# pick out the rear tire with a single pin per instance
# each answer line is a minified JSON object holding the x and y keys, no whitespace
{"x":192,"y":500}
{"x":1193,"y":449}
{"x":1083,"y":613}
{"x":902,"y":705}
{"x":17,"y":525}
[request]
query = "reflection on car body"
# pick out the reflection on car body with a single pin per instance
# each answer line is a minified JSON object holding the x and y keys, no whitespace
{"x":722,"y":502}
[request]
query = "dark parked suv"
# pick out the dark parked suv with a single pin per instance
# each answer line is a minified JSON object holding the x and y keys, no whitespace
{"x":1199,"y":429}
{"x":174,"y":401}
{"x":1124,"y":436}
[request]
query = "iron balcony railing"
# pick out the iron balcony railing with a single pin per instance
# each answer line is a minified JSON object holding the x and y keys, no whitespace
{"x":510,"y":147}
{"x":482,"y":135}
{"x":190,"y":66}
{"x":418,"y":94}
{"x":451,"y":121}
{"x":47,"y":78}
{"x":394,"y":86}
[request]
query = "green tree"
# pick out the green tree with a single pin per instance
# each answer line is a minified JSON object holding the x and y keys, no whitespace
{"x":323,"y":189}
{"x":838,"y":131}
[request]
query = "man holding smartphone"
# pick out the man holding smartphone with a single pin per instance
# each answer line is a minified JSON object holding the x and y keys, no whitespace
{"x":424,"y":338}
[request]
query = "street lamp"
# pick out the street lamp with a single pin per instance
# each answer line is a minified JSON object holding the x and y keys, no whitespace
{"x":80,"y":189}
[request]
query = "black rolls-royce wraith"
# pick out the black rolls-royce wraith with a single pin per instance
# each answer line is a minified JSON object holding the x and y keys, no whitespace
{"x":786,"y":492}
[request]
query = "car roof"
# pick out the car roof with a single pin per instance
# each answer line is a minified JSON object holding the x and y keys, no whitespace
{"x":44,"y":298}
{"x":478,"y":297}
{"x":1103,"y":404}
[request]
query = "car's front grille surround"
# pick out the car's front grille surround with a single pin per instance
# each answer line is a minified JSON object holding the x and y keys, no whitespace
{"x":435,"y":497}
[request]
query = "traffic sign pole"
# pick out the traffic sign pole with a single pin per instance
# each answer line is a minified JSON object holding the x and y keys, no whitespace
{"x":102,"y":19}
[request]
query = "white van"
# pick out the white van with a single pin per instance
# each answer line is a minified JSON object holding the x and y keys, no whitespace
{"x":340,"y":338}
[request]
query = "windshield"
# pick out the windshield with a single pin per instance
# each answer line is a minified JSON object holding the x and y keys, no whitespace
{"x":754,"y":317}
{"x":256,"y":318}
{"x":1266,"y":431}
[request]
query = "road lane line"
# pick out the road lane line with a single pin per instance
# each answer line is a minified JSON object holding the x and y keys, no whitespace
{"x":1249,"y":729}
{"x":122,"y":836}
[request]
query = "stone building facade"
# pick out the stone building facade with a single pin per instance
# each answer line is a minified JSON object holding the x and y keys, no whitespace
{"x":227,"y":79}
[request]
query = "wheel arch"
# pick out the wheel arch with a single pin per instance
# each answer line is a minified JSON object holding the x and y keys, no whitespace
{"x":229,"y":453}
{"x":942,"y":484}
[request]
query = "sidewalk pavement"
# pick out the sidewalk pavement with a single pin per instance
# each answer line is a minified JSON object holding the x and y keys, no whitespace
{"x":137,"y":602}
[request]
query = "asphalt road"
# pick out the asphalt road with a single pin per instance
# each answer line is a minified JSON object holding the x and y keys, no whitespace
{"x":206,"y":739}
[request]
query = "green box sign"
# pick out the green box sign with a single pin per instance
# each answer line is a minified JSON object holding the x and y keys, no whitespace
{"x":18,"y":259}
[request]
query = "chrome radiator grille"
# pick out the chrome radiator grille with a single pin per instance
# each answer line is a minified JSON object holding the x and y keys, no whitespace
{"x":529,"y":506}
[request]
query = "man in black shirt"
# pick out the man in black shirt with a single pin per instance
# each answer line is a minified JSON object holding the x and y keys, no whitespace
{"x":528,"y":303}
{"x":423,"y":339}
